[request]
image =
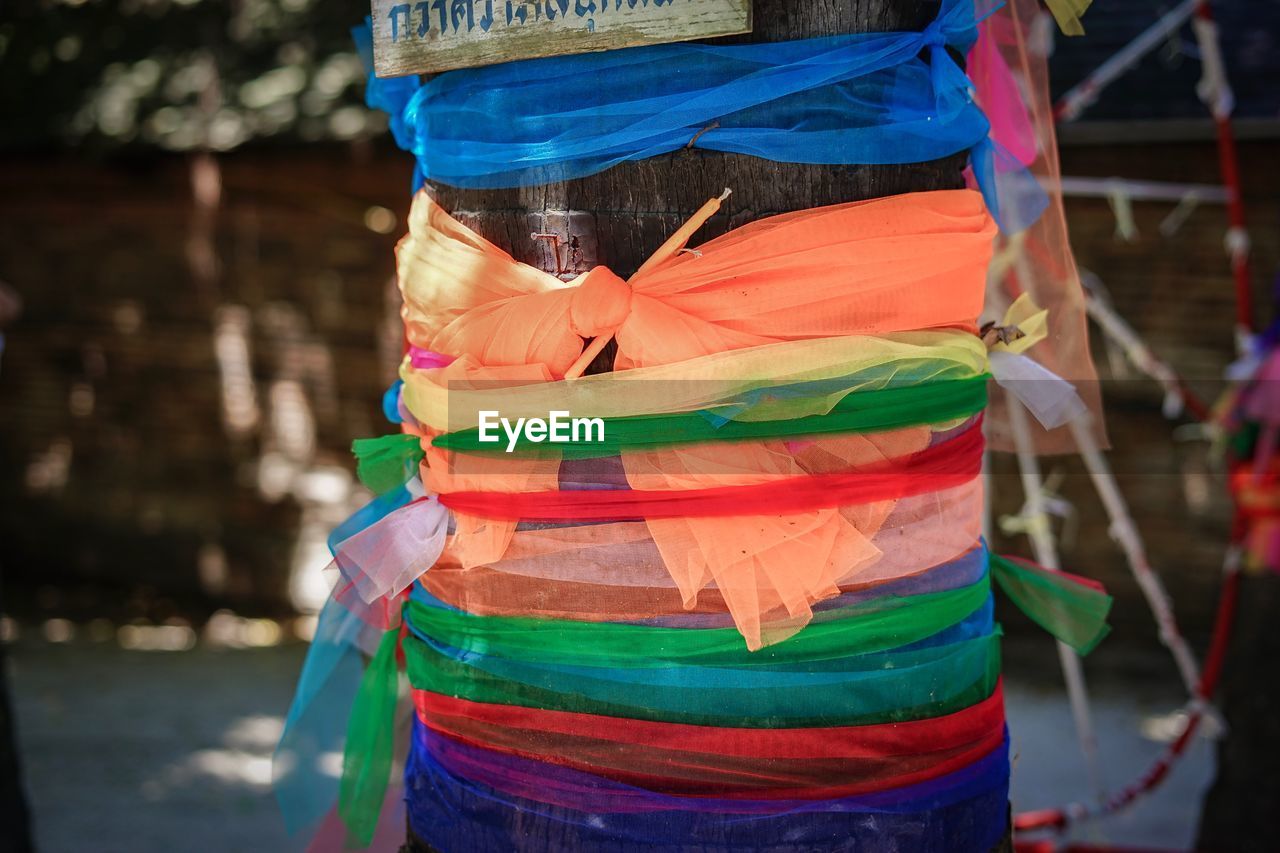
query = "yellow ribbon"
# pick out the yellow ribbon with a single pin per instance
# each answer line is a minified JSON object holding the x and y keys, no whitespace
{"x":1029,"y":319}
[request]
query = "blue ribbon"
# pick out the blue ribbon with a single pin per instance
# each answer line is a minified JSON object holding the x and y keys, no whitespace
{"x":867,"y":98}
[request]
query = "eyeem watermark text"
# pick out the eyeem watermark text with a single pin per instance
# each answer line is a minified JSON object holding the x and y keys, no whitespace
{"x":557,"y":428}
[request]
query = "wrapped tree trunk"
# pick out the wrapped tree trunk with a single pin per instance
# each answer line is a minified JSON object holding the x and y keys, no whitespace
{"x":617,"y":218}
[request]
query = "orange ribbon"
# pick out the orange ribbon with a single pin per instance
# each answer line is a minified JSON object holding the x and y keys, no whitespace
{"x":909,"y":262}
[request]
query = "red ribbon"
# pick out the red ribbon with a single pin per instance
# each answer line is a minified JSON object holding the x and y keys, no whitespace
{"x":798,"y":763}
{"x":943,"y":466}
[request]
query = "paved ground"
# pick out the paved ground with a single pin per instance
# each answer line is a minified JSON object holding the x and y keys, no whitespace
{"x":139,"y":751}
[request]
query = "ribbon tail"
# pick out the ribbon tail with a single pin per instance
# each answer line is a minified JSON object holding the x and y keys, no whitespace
{"x":950,"y":84}
{"x":1071,"y":608}
{"x":369,"y":514}
{"x":1012,"y":193}
{"x":387,"y":462}
{"x":386,"y":557}
{"x":1068,"y":13}
{"x":317,"y":718}
{"x":366,"y":760}
{"x":1053,"y":400}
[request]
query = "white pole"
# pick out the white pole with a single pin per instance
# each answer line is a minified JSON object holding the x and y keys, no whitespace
{"x":1087,"y":90}
{"x":1040,"y":533}
{"x":1140,"y":190}
{"x":1125,"y":533}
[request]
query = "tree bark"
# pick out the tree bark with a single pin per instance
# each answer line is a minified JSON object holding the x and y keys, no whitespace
{"x":15,"y":830}
{"x":620,"y":216}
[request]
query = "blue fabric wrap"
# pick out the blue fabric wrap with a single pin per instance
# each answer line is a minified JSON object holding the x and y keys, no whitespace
{"x":865,"y":98}
{"x":957,"y":813}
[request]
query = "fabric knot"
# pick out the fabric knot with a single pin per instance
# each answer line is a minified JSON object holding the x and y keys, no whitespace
{"x":600,"y":304}
{"x":935,"y":34}
{"x":956,"y":26}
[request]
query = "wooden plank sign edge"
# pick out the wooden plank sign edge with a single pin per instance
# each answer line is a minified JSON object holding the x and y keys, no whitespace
{"x":441,"y":35}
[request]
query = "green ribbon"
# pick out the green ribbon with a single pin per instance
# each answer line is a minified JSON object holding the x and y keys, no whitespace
{"x":1069,"y":609}
{"x":387,"y":462}
{"x":366,"y":759}
{"x":869,"y":626}
{"x":861,"y":411}
{"x":883,"y":687}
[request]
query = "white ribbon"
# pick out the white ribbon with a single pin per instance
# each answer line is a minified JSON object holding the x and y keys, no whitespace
{"x":1052,"y":399}
{"x":388,"y":556}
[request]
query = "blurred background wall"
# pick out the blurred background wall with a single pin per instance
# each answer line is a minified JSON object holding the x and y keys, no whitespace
{"x":198,"y":214}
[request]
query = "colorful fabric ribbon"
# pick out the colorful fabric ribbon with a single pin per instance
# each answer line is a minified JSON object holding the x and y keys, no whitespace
{"x":385,"y":463}
{"x":790,"y":763}
{"x":888,"y":408}
{"x":575,"y":692}
{"x":464,"y":798}
{"x":508,"y":323}
{"x":566,"y":573}
{"x":865,"y":627}
{"x":794,"y":414}
{"x":909,"y":262}
{"x":951,"y":670}
{"x":945,"y":465}
{"x":449,"y":399}
{"x":1071,"y":608}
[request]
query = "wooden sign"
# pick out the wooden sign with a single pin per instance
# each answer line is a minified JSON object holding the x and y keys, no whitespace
{"x":437,"y":35}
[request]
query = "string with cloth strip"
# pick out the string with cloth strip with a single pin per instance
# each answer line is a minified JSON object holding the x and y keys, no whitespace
{"x":1042,"y":265}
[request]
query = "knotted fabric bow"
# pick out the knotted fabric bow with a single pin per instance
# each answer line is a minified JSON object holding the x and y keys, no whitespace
{"x":847,"y":272}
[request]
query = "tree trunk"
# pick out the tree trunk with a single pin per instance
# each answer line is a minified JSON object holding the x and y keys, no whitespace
{"x":15,"y":834}
{"x":1240,"y":811}
{"x":620,"y":216}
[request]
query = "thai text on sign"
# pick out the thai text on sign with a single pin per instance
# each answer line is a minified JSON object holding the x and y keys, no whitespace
{"x":437,"y":35}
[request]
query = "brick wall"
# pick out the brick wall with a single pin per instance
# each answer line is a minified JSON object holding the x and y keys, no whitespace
{"x":131,"y":485}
